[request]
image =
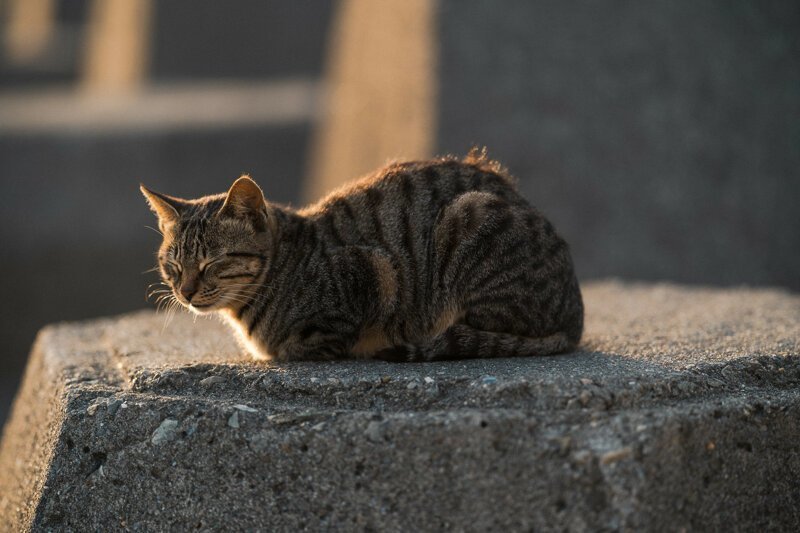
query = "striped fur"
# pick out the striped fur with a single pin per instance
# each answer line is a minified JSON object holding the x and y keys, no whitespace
{"x":422,"y":260}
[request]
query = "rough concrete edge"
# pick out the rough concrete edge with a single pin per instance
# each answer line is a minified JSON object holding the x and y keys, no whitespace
{"x":33,"y":429}
{"x":411,"y":393}
{"x":29,"y":438}
{"x":607,"y":459}
{"x":686,"y":446}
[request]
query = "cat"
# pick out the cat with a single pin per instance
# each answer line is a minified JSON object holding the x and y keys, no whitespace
{"x":421,"y":261}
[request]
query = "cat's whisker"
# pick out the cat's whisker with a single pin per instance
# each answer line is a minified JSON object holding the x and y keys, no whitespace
{"x":246,"y":294}
{"x":161,"y":302}
{"x":158,"y":291}
{"x":159,"y":286}
{"x":237,"y":299}
{"x":245,"y":290}
{"x":166,"y":314}
{"x":171,"y":313}
{"x":245,"y":299}
{"x":165,"y":302}
{"x":166,"y":319}
{"x":158,"y":295}
{"x":242,"y":298}
{"x":250,"y":292}
{"x":243,"y":287}
{"x":253,"y":286}
{"x":154,"y":229}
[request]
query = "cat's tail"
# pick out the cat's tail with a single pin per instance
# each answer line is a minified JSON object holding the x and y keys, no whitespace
{"x":464,"y":342}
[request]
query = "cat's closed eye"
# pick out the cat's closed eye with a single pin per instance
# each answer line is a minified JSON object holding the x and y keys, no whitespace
{"x":209,"y":266}
{"x":234,"y":275}
{"x":172,"y":270}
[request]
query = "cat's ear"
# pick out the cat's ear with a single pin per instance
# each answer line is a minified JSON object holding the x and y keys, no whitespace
{"x":246,"y":201}
{"x":167,"y":208}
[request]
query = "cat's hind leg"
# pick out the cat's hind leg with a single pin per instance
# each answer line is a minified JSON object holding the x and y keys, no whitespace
{"x":461,"y":341}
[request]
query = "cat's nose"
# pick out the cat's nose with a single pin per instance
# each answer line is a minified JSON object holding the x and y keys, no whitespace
{"x":187,"y":291}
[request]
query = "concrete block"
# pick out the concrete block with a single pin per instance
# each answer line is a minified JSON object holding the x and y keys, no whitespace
{"x":680,"y":412}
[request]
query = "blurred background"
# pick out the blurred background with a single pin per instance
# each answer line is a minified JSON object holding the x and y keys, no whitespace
{"x":662,"y":138}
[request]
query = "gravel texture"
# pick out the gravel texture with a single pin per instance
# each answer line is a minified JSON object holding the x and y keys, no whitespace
{"x":682,"y":410}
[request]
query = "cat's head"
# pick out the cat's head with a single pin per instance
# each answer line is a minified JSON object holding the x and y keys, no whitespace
{"x":215,"y":248}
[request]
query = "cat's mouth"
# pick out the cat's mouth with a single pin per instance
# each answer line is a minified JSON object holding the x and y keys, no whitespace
{"x":215,"y":303}
{"x":200,"y":308}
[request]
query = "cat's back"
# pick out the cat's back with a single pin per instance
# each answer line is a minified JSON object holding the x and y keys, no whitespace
{"x":407,"y":196}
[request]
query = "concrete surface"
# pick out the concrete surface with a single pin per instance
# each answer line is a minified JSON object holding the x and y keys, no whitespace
{"x":661,"y":138}
{"x":681,"y":412}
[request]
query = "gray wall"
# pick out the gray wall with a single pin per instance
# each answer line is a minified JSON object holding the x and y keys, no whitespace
{"x":662,"y":137}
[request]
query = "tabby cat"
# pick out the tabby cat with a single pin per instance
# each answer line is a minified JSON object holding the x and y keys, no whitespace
{"x":421,"y":261}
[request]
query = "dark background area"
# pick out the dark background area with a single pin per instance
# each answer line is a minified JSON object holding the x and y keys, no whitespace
{"x":662,"y":139}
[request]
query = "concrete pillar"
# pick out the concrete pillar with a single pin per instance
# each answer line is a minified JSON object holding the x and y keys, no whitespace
{"x":380,"y":90}
{"x":29,"y":28}
{"x":117,"y":45}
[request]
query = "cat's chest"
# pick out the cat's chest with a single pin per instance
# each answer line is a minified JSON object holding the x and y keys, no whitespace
{"x":257,"y":347}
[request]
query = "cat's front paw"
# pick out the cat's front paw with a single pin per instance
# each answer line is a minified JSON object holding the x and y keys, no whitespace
{"x":394,"y":354}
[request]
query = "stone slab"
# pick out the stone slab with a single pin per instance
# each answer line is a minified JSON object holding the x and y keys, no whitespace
{"x":681,"y":410}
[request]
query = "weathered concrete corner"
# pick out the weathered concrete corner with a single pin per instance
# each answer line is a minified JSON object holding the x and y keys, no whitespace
{"x":681,"y":411}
